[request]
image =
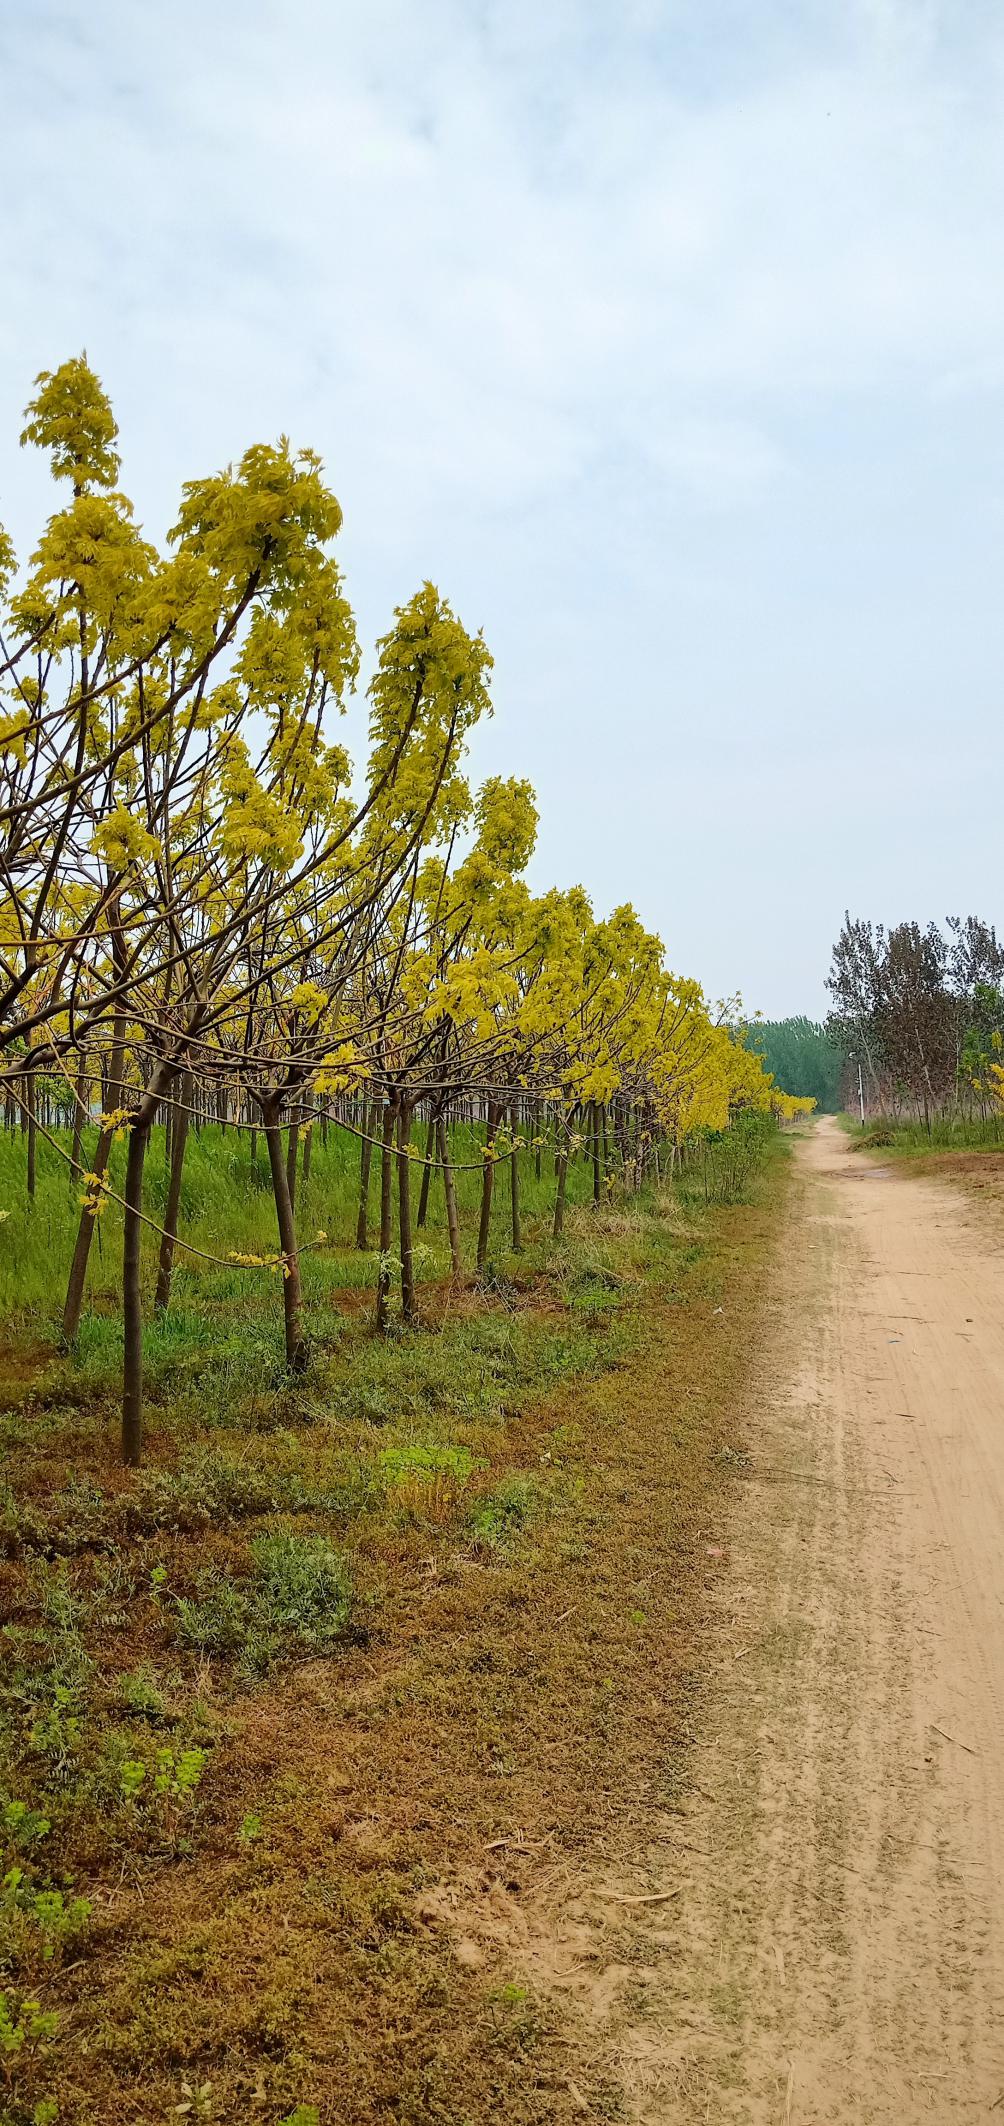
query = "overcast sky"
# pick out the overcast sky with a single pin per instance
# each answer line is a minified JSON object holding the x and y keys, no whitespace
{"x":666,"y":336}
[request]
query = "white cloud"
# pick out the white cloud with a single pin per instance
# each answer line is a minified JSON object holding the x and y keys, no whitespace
{"x":631,"y":323}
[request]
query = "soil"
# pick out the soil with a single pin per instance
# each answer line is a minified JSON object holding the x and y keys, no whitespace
{"x":818,"y":1926}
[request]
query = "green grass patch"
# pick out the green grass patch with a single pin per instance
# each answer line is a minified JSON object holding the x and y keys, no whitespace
{"x":297,"y":1599}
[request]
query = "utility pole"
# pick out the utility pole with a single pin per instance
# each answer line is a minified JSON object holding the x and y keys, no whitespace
{"x":861,"y":1089}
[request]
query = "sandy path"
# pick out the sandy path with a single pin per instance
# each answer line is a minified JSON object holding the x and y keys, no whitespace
{"x":837,"y":1951}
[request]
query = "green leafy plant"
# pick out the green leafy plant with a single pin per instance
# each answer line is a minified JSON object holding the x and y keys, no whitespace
{"x":502,"y":1513}
{"x":24,"y":2027}
{"x":174,"y":1776}
{"x":299,"y":1594}
{"x":132,"y":1775}
{"x":140,"y":1695}
{"x":179,"y":1773}
{"x":196,"y":2101}
{"x":22,"y":1826}
{"x":56,"y":1733}
{"x":426,"y":1463}
{"x":34,"y":1921}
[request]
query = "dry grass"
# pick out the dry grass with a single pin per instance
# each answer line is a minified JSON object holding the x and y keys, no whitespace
{"x":515,"y":1694}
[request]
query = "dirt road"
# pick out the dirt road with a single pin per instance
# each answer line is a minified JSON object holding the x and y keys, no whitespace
{"x":836,"y":1952}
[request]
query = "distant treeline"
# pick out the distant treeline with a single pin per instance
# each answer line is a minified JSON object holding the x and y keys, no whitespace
{"x":922,"y":1012}
{"x":801,"y":1059}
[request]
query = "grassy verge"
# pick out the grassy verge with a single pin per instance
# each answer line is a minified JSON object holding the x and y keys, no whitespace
{"x":435,"y":1609}
{"x":970,"y":1154}
{"x":912,"y":1140}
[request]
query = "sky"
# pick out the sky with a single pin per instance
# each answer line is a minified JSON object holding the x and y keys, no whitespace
{"x":665,"y":336}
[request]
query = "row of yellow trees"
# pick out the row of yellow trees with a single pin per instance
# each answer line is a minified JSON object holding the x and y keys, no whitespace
{"x":199,"y":891}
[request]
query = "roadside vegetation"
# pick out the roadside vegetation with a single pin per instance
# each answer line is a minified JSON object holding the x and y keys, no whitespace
{"x":421,"y":1615}
{"x":919,"y":1017}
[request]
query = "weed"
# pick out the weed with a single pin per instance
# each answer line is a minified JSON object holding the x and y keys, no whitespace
{"x":304,"y":1589}
{"x":22,"y":1826}
{"x":502,"y":1513}
{"x":196,"y":2101}
{"x":176,"y":1774}
{"x":36,"y":1923}
{"x":56,"y":1734}
{"x":160,"y":1790}
{"x":36,"y":1920}
{"x":210,"y":1489}
{"x":140,"y":1695}
{"x":23,"y":2027}
{"x":423,"y":1482}
{"x":299,"y":1595}
{"x":426,"y":1463}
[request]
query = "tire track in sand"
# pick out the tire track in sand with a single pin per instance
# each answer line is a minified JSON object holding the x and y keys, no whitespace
{"x":836,"y":1951}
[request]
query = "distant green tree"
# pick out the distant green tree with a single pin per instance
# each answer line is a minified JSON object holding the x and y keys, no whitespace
{"x":801,"y":1059}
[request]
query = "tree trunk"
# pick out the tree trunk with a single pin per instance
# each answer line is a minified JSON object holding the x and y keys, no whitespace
{"x":85,"y":1231}
{"x":292,"y":1290}
{"x":517,"y":1228}
{"x":79,"y":1114}
{"x":294,"y":1146}
{"x":132,"y":1297}
{"x":594,"y":1116}
{"x":449,"y":1187}
{"x":423,"y":1199}
{"x":31,"y":1104}
{"x":559,"y":1194}
{"x":386,"y":1209}
{"x":308,"y":1138}
{"x":404,"y":1212}
{"x":179,"y":1139}
{"x":365,"y":1161}
{"x":487,"y":1185}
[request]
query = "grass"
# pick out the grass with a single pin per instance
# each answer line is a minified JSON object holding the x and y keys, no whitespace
{"x":227,"y":1206}
{"x":345,"y":1643}
{"x":913,"y":1139}
{"x":969,"y":1153}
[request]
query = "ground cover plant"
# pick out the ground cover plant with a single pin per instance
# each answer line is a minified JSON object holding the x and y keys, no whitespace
{"x":261,"y":1701}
